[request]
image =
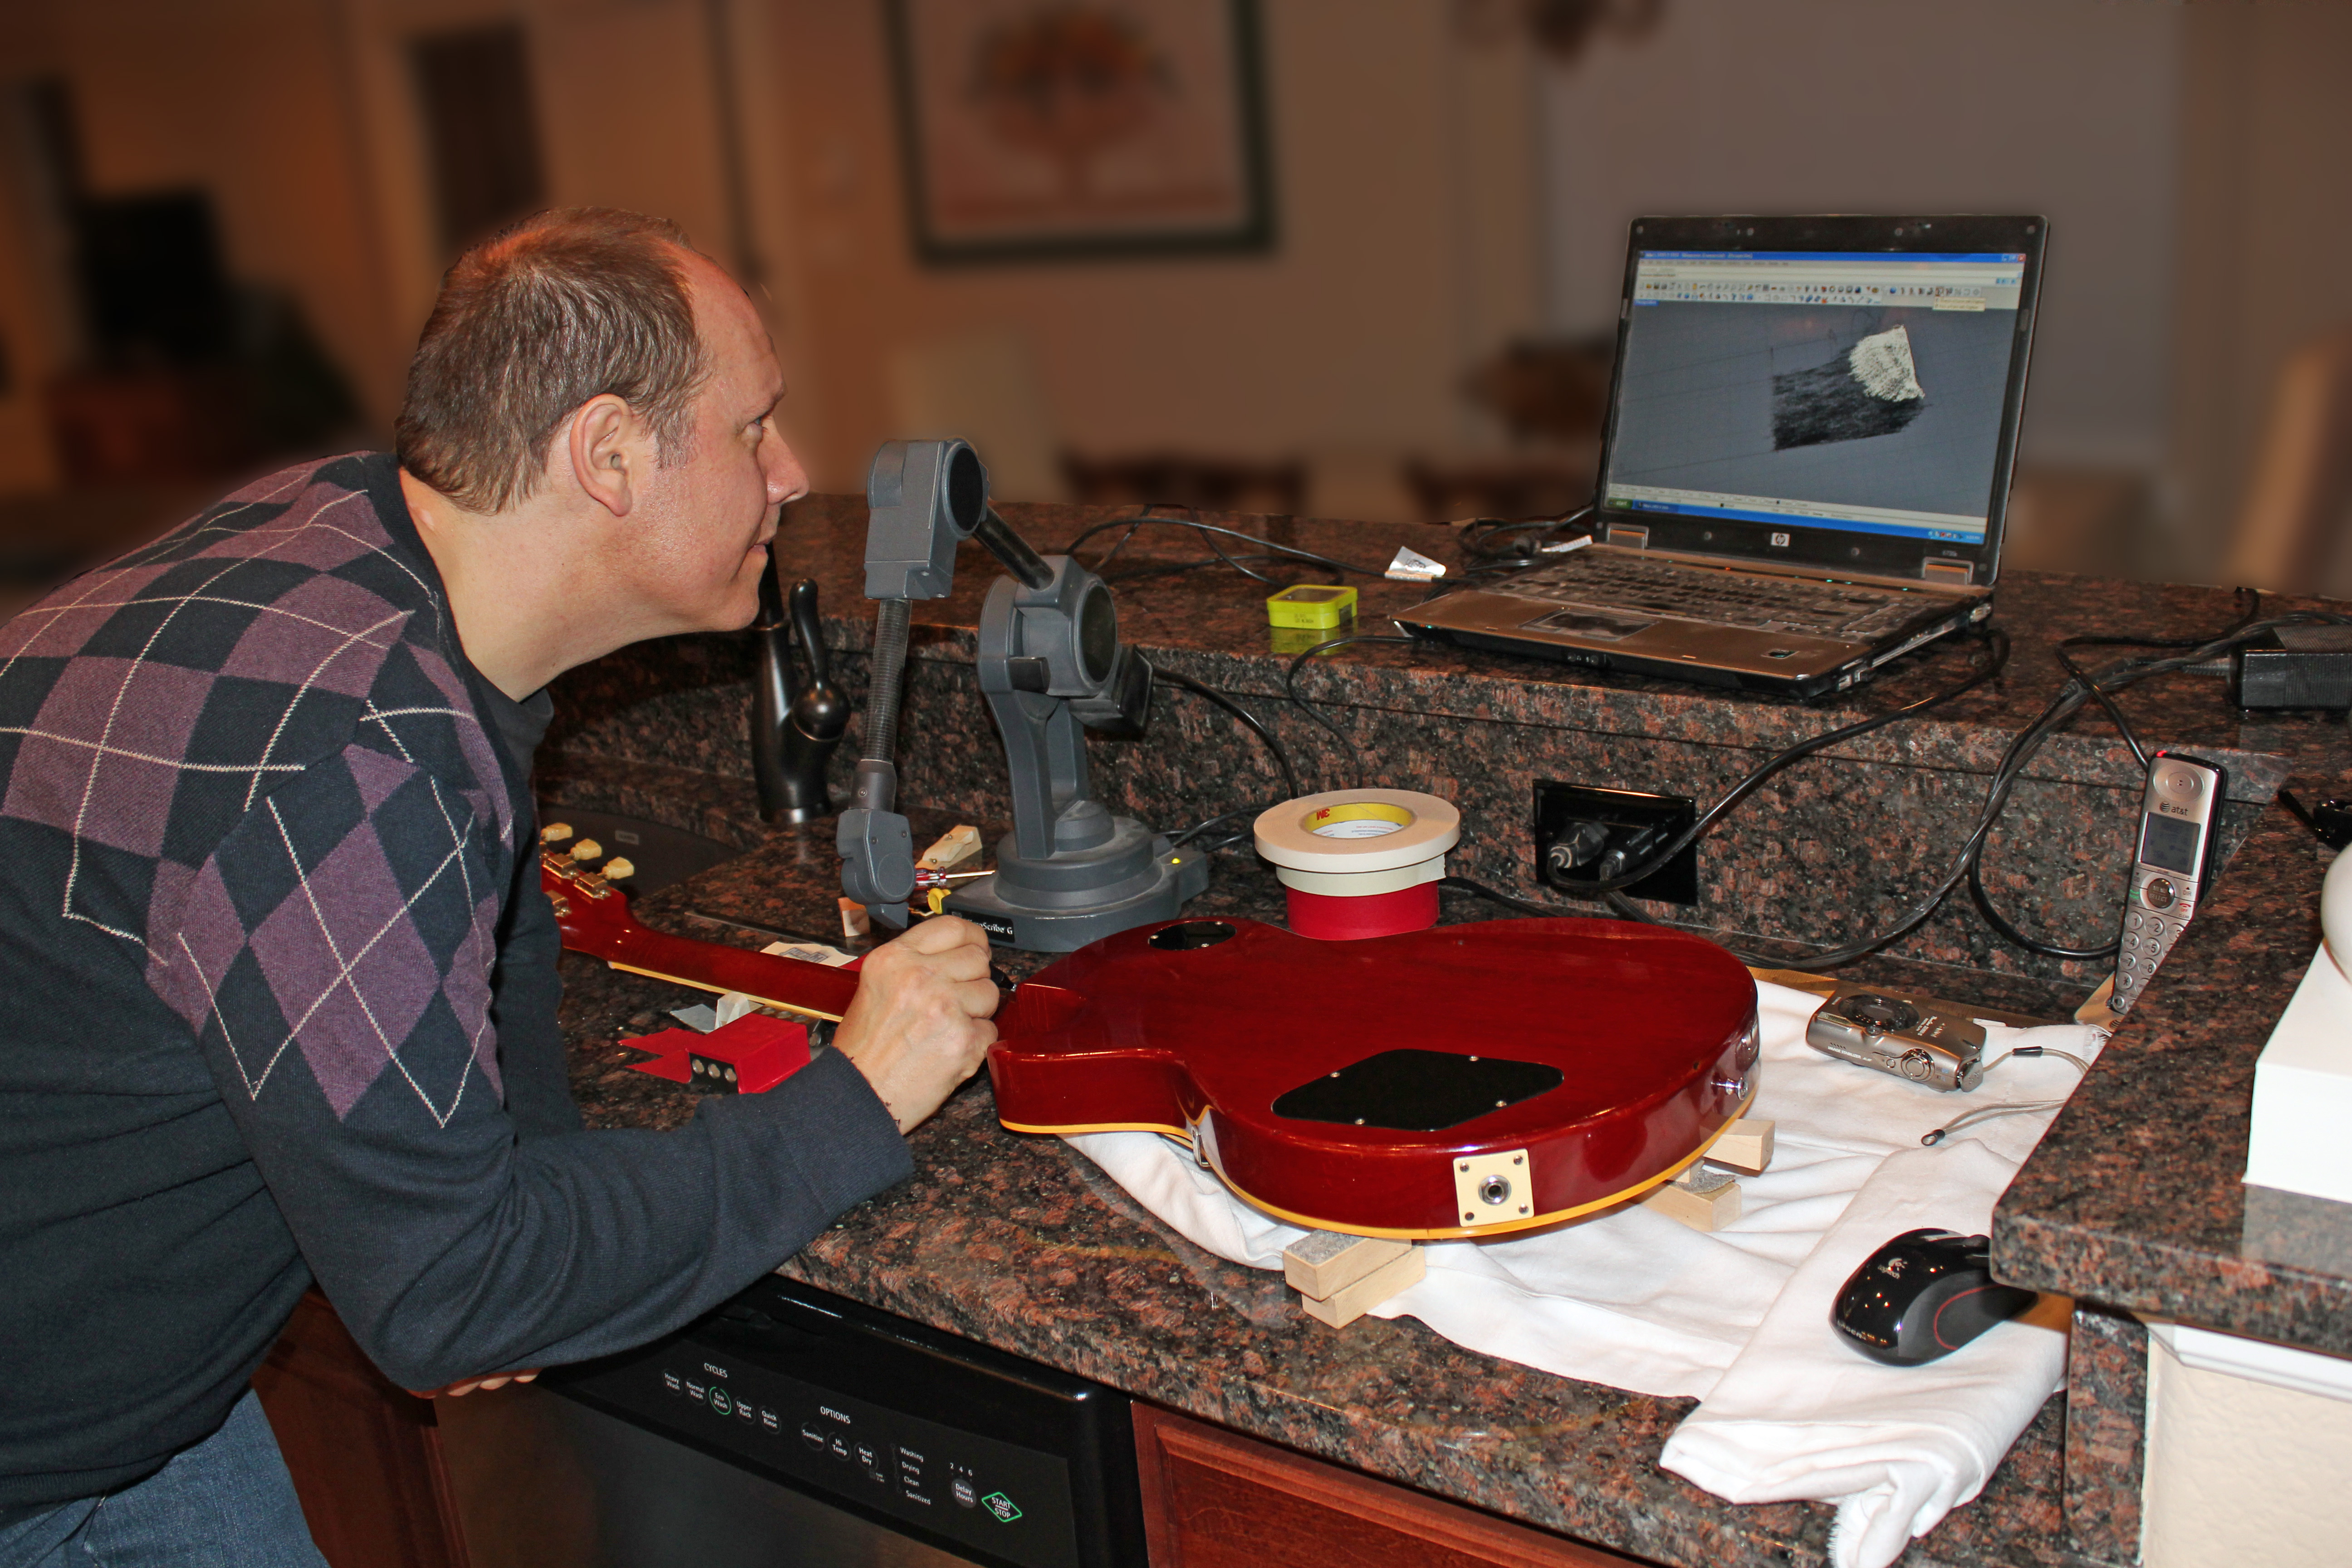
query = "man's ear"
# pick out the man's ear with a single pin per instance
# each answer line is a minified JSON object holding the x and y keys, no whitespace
{"x":610,"y":452}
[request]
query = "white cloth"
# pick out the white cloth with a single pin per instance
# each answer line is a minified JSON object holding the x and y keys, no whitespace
{"x":1739,"y":1319}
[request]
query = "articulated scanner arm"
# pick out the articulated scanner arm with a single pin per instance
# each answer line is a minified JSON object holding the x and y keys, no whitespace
{"x":1050,"y":659}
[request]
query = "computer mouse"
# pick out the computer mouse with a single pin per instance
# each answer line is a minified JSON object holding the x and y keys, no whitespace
{"x":1923,"y":1295}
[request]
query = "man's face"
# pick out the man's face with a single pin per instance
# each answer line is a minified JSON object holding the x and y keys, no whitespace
{"x":709,"y":512}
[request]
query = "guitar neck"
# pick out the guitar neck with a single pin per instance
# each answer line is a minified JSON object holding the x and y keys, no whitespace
{"x":788,"y":982}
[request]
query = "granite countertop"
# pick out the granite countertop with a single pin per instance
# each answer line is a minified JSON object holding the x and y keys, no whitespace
{"x":2132,"y":1201}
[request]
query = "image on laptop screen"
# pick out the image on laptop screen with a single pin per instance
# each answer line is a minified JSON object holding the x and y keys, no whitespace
{"x":1853,"y":389}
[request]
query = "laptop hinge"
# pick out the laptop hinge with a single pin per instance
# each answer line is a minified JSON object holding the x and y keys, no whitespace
{"x":1958,"y":573}
{"x":1634,"y":536}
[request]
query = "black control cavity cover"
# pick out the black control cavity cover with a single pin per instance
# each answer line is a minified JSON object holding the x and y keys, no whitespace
{"x":1923,"y":1295}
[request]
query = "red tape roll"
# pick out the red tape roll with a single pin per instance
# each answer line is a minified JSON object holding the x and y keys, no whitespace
{"x":1329,"y":918}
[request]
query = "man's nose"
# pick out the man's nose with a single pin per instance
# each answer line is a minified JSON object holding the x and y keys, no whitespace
{"x":787,"y":480}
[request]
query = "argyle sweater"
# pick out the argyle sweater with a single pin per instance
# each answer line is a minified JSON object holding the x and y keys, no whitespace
{"x":277,"y":1002}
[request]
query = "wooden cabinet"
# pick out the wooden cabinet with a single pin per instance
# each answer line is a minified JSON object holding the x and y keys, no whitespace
{"x":1213,"y":1499}
{"x":365,"y":1455}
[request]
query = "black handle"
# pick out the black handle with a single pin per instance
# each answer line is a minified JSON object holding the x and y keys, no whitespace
{"x":809,"y":629}
{"x":818,"y":710}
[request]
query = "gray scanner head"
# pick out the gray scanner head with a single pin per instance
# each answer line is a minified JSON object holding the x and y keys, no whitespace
{"x":923,"y":499}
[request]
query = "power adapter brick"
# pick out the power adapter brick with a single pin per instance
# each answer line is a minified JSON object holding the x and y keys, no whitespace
{"x":2295,"y":666}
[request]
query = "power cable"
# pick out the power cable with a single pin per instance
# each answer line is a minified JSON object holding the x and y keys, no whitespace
{"x":1290,"y":688}
{"x":1280,"y":755}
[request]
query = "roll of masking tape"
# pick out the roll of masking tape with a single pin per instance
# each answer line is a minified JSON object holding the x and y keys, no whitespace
{"x":1360,"y":862}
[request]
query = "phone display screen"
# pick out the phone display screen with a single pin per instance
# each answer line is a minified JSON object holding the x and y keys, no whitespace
{"x":2170,"y":843}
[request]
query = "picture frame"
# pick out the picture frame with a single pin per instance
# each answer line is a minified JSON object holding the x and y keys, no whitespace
{"x":1045,"y":130}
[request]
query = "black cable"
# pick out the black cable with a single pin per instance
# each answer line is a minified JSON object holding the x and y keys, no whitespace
{"x":2098,"y":687}
{"x":1519,"y":555}
{"x":1995,"y":658}
{"x":1205,"y":529}
{"x":2114,"y":714}
{"x":1611,"y":888}
{"x":2251,"y":598}
{"x":2062,"y":708}
{"x":1252,"y":812}
{"x":1281,"y":755}
{"x":1495,"y":896}
{"x":1290,"y":686}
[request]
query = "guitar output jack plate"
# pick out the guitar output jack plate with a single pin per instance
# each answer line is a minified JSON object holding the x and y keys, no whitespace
{"x":1490,"y":1189}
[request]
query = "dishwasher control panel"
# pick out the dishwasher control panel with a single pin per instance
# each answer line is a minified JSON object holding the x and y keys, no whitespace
{"x":935,"y":1437}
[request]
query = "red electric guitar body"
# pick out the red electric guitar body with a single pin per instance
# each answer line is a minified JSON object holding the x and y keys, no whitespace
{"x":593,"y":916}
{"x":1462,"y":1081}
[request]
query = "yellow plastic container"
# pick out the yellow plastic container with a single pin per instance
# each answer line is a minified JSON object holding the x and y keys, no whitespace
{"x":1311,"y":607}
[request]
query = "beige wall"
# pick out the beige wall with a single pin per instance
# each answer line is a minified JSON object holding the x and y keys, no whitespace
{"x":2265,"y":238}
{"x":1402,"y":159}
{"x":1351,"y":335}
{"x":1434,"y":196}
{"x":2064,"y":108}
{"x":2242,"y":1472}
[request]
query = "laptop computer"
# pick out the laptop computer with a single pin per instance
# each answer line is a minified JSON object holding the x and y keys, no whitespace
{"x":1806,"y":464}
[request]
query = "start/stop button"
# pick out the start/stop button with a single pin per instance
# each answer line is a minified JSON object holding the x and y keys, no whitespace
{"x":2178,"y":784}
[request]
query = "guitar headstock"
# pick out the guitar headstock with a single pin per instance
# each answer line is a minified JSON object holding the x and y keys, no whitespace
{"x":592,"y":913}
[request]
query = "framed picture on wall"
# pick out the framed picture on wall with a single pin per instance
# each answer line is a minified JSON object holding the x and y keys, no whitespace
{"x":1039,"y":129}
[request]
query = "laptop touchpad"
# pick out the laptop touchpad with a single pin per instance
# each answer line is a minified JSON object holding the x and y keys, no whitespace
{"x":1590,"y":624}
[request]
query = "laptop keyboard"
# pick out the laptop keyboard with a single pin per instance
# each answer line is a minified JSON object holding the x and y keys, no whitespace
{"x":1847,"y":611}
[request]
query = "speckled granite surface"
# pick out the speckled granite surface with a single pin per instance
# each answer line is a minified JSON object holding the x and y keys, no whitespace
{"x":2106,"y":1427}
{"x":2135,"y":1197}
{"x":1019,"y":1242}
{"x":2132,"y":1201}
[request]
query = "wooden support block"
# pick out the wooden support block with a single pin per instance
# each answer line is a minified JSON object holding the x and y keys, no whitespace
{"x":1349,"y":1303}
{"x":854,"y":921}
{"x":956,"y":845}
{"x":2094,"y":1010}
{"x":1700,"y":1198}
{"x":1746,"y":1146}
{"x":1323,"y":1262}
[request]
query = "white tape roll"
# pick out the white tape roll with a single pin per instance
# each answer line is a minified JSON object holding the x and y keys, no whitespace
{"x":1359,"y":884}
{"x":1351,"y":831}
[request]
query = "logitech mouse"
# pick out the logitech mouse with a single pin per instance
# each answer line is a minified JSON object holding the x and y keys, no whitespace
{"x":1924,"y":1295}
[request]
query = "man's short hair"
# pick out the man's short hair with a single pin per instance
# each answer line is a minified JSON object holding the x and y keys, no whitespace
{"x":559,"y":309}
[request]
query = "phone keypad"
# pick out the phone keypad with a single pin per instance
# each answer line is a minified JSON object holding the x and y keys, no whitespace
{"x":2159,"y":907}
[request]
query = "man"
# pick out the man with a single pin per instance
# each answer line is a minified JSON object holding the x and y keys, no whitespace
{"x":281,"y":987}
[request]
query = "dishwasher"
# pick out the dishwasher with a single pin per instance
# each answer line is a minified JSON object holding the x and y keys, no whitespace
{"x":792,"y":1428}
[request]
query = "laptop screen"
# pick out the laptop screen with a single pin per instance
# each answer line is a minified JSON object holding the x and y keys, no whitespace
{"x":1866,"y":392}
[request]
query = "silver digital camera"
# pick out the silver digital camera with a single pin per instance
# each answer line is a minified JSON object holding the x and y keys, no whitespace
{"x":1900,"y":1034}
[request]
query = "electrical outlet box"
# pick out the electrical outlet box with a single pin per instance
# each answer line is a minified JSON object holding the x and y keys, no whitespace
{"x":1584,"y":833}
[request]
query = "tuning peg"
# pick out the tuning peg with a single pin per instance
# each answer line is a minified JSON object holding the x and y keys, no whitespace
{"x":555,"y":833}
{"x":618,"y":866}
{"x":586,"y":850}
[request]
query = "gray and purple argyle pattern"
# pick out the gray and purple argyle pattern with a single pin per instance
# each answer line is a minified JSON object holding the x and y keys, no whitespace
{"x":245,"y":756}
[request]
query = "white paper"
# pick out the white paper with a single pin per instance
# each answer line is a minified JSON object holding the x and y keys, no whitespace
{"x":1412,"y":567}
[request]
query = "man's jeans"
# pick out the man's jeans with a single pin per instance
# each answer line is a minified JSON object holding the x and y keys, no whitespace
{"x":225,"y":1503}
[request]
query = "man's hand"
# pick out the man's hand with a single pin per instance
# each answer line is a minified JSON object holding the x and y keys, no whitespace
{"x":919,"y":1025}
{"x":471,"y":1383}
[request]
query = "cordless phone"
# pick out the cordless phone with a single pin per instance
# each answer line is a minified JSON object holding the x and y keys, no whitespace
{"x":2178,"y":813}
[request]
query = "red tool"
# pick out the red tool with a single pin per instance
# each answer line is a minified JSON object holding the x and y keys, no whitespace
{"x":749,"y":1055}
